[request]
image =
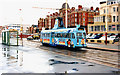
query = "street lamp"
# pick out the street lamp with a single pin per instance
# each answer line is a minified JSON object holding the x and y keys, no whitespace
{"x":66,"y":14}
{"x":106,"y":25}
{"x":21,"y":29}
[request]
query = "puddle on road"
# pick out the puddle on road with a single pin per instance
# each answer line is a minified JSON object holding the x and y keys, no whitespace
{"x":19,"y":61}
{"x":61,"y":62}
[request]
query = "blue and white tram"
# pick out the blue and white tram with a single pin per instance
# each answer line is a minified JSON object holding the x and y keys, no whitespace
{"x":70,"y":37}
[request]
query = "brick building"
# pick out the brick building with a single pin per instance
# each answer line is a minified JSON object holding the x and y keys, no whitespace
{"x":82,"y":16}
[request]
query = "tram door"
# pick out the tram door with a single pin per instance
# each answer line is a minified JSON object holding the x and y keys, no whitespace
{"x":53,"y":38}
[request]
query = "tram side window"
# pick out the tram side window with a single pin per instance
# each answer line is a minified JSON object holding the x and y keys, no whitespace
{"x":45,"y":34}
{"x":69,"y":35}
{"x":40,"y":35}
{"x":65,"y":35}
{"x":58,"y":35}
{"x":48,"y":34}
{"x":73,"y":35}
{"x":55,"y":35}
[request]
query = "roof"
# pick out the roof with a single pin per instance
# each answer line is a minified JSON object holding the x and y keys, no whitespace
{"x":109,"y":1}
{"x":60,"y":30}
{"x":64,"y":6}
{"x":102,"y":2}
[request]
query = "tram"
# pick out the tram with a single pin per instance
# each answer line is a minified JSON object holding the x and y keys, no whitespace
{"x":70,"y":37}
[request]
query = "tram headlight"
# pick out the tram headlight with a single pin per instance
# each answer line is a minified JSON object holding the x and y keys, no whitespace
{"x":40,"y":40}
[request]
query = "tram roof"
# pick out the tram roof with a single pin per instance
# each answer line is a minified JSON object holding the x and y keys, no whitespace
{"x":60,"y":30}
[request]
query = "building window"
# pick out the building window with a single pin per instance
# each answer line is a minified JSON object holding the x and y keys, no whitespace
{"x":113,"y":9}
{"x":103,"y":18}
{"x":111,"y":2}
{"x":114,"y":2}
{"x":107,"y":11}
{"x":117,"y":18}
{"x":91,"y":28}
{"x":97,"y":28}
{"x":113,"y":27}
{"x":83,"y":19}
{"x":104,"y":10}
{"x":103,"y":28}
{"x":75,"y":15}
{"x":118,"y":27}
{"x":83,"y":14}
{"x":75,"y":19}
{"x":117,"y":9}
{"x":110,"y":28}
{"x":83,"y":24}
{"x":113,"y":18}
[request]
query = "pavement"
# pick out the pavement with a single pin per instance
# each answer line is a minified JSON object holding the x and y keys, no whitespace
{"x":111,"y":47}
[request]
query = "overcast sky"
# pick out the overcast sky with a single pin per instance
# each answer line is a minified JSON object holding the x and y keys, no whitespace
{"x":10,"y":13}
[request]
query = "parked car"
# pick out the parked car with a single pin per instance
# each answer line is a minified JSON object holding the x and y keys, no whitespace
{"x":89,"y":35}
{"x":98,"y":36}
{"x":93,"y":36}
{"x":117,"y":39}
{"x":29,"y":38}
{"x":103,"y":38}
{"x":114,"y":38}
{"x":35,"y":36}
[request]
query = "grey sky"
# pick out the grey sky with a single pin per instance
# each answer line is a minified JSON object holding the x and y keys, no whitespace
{"x":9,"y":9}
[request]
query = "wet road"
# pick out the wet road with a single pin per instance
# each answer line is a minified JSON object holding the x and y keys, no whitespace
{"x":29,"y":59}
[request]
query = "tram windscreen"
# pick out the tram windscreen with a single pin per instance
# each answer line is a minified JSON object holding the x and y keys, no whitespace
{"x":79,"y":36}
{"x":84,"y":35}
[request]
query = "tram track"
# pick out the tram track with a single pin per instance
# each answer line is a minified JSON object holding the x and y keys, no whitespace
{"x":96,"y":56}
{"x":108,"y":58}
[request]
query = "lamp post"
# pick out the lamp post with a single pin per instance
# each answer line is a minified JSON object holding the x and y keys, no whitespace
{"x":106,"y":25}
{"x":21,"y":29}
{"x":66,"y":14}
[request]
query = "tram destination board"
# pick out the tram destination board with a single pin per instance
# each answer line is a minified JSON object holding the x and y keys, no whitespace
{"x":80,"y":28}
